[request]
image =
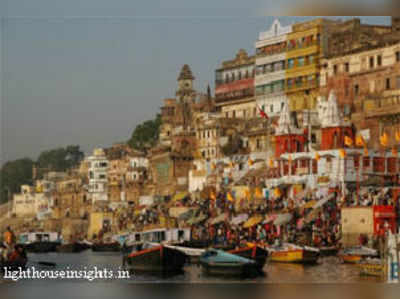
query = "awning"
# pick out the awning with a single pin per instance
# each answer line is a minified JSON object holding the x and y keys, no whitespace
{"x":310,"y":204}
{"x":253,"y":221}
{"x":321,"y":202}
{"x":197,"y":219}
{"x":239,"y":219}
{"x":270,"y":218}
{"x":187,"y":214}
{"x":282,"y":219}
{"x":179,"y":196}
{"x":218,"y":219}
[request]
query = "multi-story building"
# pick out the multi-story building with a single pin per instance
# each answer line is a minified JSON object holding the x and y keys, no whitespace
{"x":368,"y":84}
{"x":97,"y":166}
{"x":29,"y":203}
{"x":271,"y":65}
{"x":234,"y":87}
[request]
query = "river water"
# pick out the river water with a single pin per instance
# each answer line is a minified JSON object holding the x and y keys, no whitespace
{"x":329,"y":270}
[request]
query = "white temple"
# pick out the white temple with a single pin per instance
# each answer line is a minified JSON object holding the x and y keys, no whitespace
{"x":286,"y":124}
{"x":328,"y":112}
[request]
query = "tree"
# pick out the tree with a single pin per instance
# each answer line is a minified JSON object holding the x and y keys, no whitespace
{"x":14,"y":174}
{"x":145,"y":134}
{"x":59,"y":159}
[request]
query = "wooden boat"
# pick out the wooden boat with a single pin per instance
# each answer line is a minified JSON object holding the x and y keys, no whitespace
{"x":106,"y":247}
{"x":356,"y":254}
{"x":159,"y":259}
{"x":372,"y":267}
{"x":75,"y":247}
{"x":328,"y":250}
{"x":290,"y":253}
{"x":192,"y":254}
{"x":218,"y":262}
{"x":40,"y":242}
{"x":256,"y":253}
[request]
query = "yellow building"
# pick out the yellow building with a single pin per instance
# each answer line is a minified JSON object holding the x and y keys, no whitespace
{"x":304,"y":50}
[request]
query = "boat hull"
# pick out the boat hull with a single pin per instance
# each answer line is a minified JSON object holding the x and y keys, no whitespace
{"x":42,"y":247}
{"x":328,"y":251}
{"x":71,"y":248}
{"x":371,"y":269}
{"x":351,"y":259}
{"x":300,"y":256}
{"x":110,"y":247}
{"x":255,"y":253}
{"x":158,"y":259}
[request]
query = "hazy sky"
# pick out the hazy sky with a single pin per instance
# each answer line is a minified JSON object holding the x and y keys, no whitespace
{"x":86,"y":72}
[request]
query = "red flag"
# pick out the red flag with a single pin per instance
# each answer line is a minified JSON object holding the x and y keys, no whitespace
{"x":262,"y":113}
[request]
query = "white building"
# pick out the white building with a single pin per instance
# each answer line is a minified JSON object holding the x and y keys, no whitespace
{"x":28,"y":203}
{"x":98,"y":166}
{"x":270,"y":68}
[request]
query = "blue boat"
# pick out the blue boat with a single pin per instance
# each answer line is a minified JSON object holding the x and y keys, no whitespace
{"x":218,"y":262}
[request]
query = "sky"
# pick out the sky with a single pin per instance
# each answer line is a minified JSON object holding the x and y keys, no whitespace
{"x":87,"y":72}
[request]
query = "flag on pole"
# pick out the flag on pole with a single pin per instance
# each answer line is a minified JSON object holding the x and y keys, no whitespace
{"x":348,"y":141}
{"x":360,"y":141}
{"x":229,"y":196}
{"x":258,"y":193}
{"x":262,"y":113}
{"x":271,"y":163}
{"x":317,"y":156}
{"x":250,"y":162}
{"x":366,"y":153}
{"x":384,"y":139}
{"x":397,"y":136}
{"x":212,"y":195}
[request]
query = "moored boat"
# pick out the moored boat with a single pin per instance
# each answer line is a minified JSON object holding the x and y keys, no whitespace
{"x":372,"y":267}
{"x":328,"y":250}
{"x":356,"y":254}
{"x":290,"y":253}
{"x":192,"y":254}
{"x":40,"y":242}
{"x":75,"y":247}
{"x":218,"y":262}
{"x":106,"y":247}
{"x":155,"y":258}
{"x":256,"y":253}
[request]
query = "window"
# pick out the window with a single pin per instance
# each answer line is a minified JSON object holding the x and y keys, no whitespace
{"x":335,"y":69}
{"x":387,"y":83}
{"x":290,"y":63}
{"x":300,"y":61}
{"x":371,"y":62}
{"x":346,"y":67}
{"x":233,"y":113}
{"x":356,"y":89}
{"x":398,"y":56}
{"x":379,"y":60}
{"x":271,"y":108}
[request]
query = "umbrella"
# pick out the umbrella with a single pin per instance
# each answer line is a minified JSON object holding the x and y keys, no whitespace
{"x":179,"y":196}
{"x":310,"y":204}
{"x":270,"y":218}
{"x":321,"y":202}
{"x":198,"y":219}
{"x":253,"y":221}
{"x":218,"y":219}
{"x":186,"y":215}
{"x":239,"y":219}
{"x":282,"y":219}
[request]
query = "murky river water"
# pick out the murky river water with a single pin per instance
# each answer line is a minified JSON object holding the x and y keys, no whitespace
{"x":328,"y":270}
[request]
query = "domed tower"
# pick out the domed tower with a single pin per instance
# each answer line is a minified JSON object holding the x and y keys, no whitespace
{"x":185,"y":92}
